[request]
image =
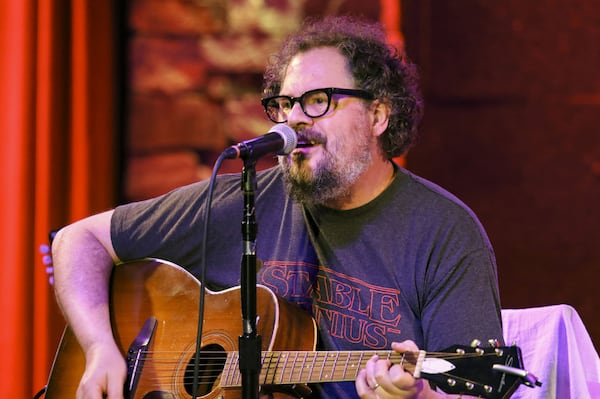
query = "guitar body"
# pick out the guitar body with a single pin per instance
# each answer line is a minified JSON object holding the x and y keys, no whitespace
{"x":167,"y":292}
{"x":154,"y":309}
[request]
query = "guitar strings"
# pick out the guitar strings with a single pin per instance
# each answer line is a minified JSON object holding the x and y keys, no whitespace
{"x":166,"y":367}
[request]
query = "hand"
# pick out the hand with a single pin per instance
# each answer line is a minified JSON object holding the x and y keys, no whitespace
{"x":380,"y":379}
{"x":105,"y":373}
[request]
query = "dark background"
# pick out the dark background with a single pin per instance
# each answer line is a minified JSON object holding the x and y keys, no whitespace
{"x":511,"y":127}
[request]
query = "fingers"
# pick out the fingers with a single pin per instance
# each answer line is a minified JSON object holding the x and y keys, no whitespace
{"x":100,"y":386}
{"x":362,"y":387}
{"x":104,"y":375}
{"x":382,"y":379}
{"x":368,"y":384}
{"x":405,"y":346}
{"x":378,"y":373}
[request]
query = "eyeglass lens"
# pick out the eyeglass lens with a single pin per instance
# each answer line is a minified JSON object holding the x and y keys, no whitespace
{"x":313,"y":103}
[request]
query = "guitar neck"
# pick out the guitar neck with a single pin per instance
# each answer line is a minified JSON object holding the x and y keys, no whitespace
{"x":308,"y":367}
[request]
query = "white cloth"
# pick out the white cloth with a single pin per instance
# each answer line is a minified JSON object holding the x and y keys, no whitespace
{"x":557,"y":349}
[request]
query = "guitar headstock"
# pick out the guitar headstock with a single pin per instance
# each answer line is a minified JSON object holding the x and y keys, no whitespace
{"x":492,"y":372}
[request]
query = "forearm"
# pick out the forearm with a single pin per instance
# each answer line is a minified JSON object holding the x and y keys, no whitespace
{"x":83,"y":259}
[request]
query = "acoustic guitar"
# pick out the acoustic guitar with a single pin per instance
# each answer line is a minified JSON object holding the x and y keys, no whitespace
{"x":154,"y":314}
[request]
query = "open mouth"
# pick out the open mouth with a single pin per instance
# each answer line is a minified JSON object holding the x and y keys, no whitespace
{"x":302,"y":143}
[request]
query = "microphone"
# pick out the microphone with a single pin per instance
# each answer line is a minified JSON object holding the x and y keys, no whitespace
{"x":281,"y":139}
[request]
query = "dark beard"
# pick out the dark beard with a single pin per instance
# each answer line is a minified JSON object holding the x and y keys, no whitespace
{"x":320,"y":188}
{"x":316,"y":191}
{"x":333,"y":177}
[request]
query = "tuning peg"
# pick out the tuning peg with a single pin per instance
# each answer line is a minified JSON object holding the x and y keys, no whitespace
{"x":528,"y":378}
{"x":494,"y":343}
{"x":475,"y":343}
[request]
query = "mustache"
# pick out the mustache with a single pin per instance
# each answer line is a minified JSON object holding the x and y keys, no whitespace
{"x":310,"y":137}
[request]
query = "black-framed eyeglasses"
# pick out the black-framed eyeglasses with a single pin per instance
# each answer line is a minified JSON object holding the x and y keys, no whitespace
{"x":314,"y":103}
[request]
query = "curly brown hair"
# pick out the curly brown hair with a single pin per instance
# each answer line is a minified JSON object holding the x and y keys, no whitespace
{"x":375,"y":66}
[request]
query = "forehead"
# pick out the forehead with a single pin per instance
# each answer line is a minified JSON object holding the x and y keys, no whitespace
{"x":314,"y":69}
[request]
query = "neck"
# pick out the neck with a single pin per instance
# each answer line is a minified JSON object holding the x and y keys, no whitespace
{"x":369,"y":185}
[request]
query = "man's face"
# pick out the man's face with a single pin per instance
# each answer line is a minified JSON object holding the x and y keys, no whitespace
{"x":336,"y":148}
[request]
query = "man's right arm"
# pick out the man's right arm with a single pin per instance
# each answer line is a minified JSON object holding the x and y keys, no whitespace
{"x":83,"y":258}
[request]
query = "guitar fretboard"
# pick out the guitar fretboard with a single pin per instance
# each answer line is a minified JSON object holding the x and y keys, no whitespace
{"x":305,"y":367}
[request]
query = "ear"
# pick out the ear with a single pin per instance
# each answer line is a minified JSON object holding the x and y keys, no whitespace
{"x":381,"y":116}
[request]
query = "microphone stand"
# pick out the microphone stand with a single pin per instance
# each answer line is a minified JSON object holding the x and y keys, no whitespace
{"x":249,"y":342}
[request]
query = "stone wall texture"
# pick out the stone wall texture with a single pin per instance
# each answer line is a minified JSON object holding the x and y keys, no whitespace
{"x":195,"y":78}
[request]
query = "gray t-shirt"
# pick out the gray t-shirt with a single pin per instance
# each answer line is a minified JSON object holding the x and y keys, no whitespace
{"x":414,"y":263}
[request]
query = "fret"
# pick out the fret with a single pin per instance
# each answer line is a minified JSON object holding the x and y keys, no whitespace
{"x":285,"y":358}
{"x":334,"y":365}
{"x":227,"y":369}
{"x":312,"y":367}
{"x":293,"y":368}
{"x":322,"y":371}
{"x":277,"y":375}
{"x":267,"y":366}
{"x":303,"y":367}
{"x":360,"y":361}
{"x":238,"y":375}
{"x":346,"y":365}
{"x":356,"y":362}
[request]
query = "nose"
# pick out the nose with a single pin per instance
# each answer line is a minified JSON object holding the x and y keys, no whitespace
{"x":296,"y":115}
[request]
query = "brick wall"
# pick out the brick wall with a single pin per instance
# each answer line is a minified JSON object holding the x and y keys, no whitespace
{"x":195,"y":75}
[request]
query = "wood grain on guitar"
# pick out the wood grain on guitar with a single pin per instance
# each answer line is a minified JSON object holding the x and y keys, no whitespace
{"x":154,"y":306}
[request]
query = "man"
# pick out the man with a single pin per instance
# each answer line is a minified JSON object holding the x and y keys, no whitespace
{"x":379,"y":257}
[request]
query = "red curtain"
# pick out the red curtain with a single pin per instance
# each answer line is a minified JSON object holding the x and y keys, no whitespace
{"x":58,"y":127}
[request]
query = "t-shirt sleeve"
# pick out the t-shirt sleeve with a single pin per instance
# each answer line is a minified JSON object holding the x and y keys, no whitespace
{"x":165,"y":227}
{"x":463,"y":303}
{"x":457,"y":295}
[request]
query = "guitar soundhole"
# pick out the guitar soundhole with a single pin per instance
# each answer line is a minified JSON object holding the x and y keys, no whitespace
{"x":212,"y":361}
